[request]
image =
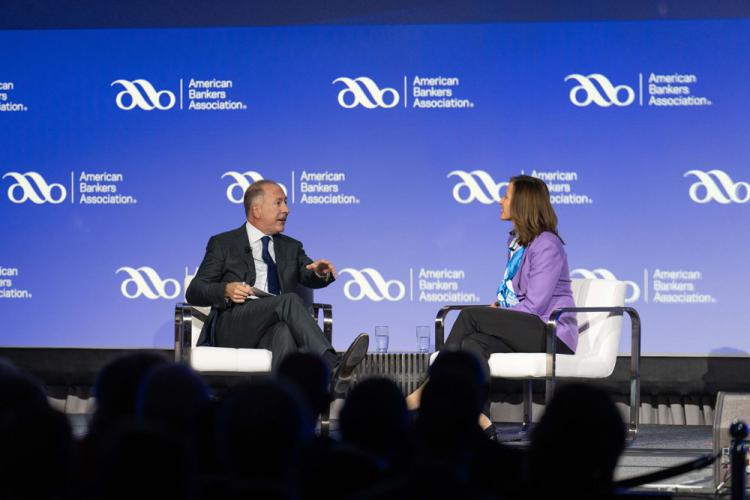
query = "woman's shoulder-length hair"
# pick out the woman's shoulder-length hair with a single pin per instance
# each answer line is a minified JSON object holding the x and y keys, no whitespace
{"x":531,"y":210}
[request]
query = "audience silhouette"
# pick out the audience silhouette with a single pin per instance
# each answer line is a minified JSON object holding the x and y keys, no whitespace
{"x":587,"y":471}
{"x":158,"y":433}
{"x":36,"y":443}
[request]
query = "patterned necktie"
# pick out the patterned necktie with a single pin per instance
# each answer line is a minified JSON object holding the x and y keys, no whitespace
{"x":273,"y":276}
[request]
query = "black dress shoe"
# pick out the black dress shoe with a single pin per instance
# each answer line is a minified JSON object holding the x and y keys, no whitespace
{"x":353,"y":356}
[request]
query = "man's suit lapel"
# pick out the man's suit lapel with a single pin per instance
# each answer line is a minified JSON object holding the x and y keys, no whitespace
{"x":242,"y":244}
{"x":280,"y":249}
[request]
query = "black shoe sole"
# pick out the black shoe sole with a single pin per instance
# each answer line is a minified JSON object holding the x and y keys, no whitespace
{"x":353,"y":356}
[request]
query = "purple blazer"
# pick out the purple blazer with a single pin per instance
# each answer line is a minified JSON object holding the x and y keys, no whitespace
{"x":542,"y":284}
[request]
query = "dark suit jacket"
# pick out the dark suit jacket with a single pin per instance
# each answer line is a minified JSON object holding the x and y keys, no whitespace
{"x":229,"y":258}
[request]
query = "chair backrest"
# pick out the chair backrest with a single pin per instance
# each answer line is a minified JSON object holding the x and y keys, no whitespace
{"x":599,"y":333}
{"x":197,"y":324}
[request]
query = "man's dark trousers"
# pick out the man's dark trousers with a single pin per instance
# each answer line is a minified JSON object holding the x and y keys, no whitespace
{"x":281,"y":324}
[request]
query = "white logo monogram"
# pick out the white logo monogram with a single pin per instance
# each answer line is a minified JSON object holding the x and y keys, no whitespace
{"x":242,"y":181}
{"x":592,"y":94}
{"x":378,"y":290}
{"x":606,"y":274}
{"x":373,"y":98}
{"x":725,"y":192}
{"x":479,"y":186}
{"x":48,"y":193}
{"x":148,"y":283}
{"x":148,"y":102}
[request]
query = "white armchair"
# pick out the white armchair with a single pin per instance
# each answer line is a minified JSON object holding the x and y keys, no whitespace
{"x":600,"y":305}
{"x":208,"y":359}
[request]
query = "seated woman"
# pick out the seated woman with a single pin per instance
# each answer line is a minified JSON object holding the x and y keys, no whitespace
{"x":536,"y":282}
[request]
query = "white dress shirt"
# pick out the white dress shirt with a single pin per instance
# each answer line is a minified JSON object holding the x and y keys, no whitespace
{"x":254,"y":235}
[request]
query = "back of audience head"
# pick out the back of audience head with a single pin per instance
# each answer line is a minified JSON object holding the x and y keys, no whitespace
{"x":462,"y":364}
{"x":172,"y":395}
{"x":141,"y":461}
{"x":447,"y":428}
{"x":36,"y":440}
{"x":375,"y":419}
{"x":18,"y":388}
{"x":116,"y":388}
{"x":261,"y":428}
{"x":311,"y":376}
{"x":456,"y":390}
{"x":576,"y":444}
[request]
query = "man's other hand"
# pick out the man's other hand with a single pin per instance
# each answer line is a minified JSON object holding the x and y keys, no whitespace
{"x":237,"y":292}
{"x":322,"y":268}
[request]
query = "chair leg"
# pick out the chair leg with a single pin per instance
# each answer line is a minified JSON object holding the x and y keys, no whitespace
{"x":325,"y":422}
{"x":635,"y":404}
{"x":549,"y":391}
{"x":527,"y":402}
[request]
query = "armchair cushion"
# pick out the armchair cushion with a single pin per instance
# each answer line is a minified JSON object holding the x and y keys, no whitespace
{"x":228,"y":359}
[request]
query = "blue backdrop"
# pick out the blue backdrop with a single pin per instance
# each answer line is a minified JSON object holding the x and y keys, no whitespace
{"x":124,"y":150}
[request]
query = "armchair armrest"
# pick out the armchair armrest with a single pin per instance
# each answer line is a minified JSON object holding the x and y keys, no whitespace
{"x":635,"y":354}
{"x":183,"y":332}
{"x":635,"y":332}
{"x":327,"y":318}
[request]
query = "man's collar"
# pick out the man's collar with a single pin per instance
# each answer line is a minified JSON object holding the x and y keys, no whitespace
{"x":253,"y":233}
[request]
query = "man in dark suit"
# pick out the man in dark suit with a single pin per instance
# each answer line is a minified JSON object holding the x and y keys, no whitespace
{"x":256,"y":260}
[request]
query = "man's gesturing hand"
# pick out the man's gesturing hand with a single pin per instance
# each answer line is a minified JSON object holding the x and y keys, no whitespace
{"x":322,"y":268}
{"x":237,"y":292}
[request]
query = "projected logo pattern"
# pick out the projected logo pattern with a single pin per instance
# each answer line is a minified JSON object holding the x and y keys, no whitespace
{"x":363,"y":91}
{"x":145,"y":282}
{"x":242,"y":180}
{"x":31,"y":186}
{"x":369,"y":283}
{"x":597,"y":89}
{"x":476,"y":185}
{"x":634,"y":291}
{"x":716,"y":185}
{"x":141,"y":94}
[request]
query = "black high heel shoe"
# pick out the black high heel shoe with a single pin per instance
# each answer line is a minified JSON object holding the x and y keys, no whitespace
{"x":490,"y":433}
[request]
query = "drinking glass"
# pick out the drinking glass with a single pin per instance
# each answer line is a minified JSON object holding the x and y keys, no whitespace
{"x":423,"y":338}
{"x":381,"y":339}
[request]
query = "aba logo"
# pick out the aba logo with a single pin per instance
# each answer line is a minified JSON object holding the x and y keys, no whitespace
{"x":476,"y":185}
{"x":242,"y":180}
{"x":716,"y":185}
{"x":606,"y":274}
{"x":31,"y":186}
{"x":364,"y":92}
{"x":140,"y":93}
{"x":145,"y":281}
{"x":368,"y":282}
{"x":605,"y":95}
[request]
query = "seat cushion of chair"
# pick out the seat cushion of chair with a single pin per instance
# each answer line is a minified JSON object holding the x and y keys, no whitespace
{"x":228,"y":359}
{"x":523,"y":365}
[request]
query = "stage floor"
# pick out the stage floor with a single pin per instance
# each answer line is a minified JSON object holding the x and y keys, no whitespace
{"x":658,"y":447}
{"x":661,"y":446}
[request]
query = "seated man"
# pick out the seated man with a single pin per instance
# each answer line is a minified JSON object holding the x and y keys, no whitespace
{"x":256,"y":256}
